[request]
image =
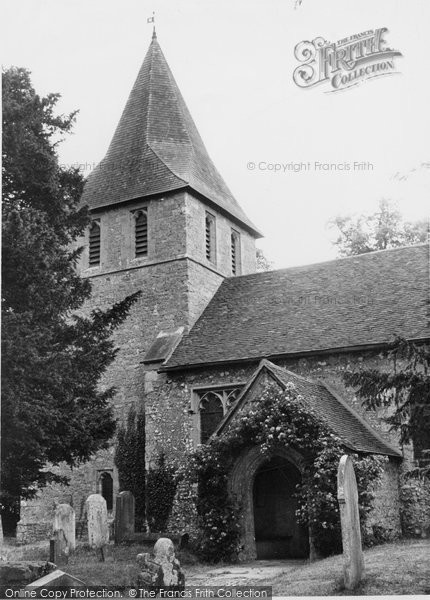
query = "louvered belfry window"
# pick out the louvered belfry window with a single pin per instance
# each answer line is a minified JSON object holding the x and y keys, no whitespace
{"x":141,"y":232}
{"x":235,"y":253}
{"x":210,"y":237}
{"x":94,"y":246}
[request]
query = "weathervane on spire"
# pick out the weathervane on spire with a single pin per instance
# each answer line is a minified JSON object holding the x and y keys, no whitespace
{"x":152,"y":20}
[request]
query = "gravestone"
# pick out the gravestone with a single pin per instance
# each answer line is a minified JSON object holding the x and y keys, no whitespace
{"x":347,"y":496}
{"x":98,"y":529}
{"x":59,"y":549}
{"x":124,"y":516}
{"x":162,"y":569}
{"x":64,"y":519}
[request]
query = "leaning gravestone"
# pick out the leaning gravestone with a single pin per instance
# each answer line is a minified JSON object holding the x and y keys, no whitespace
{"x":98,"y":529}
{"x":347,"y":496}
{"x":162,"y":569}
{"x":124,"y":516}
{"x":64,"y":519}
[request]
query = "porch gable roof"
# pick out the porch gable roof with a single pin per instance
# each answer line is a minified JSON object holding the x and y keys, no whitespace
{"x":345,"y":422}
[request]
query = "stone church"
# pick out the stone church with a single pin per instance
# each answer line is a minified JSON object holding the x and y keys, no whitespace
{"x":209,"y":332}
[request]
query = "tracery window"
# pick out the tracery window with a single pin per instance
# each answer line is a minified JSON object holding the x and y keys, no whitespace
{"x":212,"y":406}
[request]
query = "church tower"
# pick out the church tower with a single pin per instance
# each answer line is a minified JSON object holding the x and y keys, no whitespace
{"x":163,"y":222}
{"x":163,"y":219}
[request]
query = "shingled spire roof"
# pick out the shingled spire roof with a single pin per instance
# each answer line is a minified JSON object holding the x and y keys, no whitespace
{"x":156,"y":148}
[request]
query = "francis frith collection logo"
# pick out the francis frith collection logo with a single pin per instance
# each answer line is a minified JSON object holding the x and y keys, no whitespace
{"x":345,"y":63}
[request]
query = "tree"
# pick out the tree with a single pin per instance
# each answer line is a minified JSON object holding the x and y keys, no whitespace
{"x":130,"y":461}
{"x":263,"y":264}
{"x":378,"y":231}
{"x":52,"y":359}
{"x":405,"y":388}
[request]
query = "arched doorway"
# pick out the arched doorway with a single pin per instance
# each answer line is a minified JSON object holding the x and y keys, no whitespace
{"x":106,"y":489}
{"x":277,"y":533}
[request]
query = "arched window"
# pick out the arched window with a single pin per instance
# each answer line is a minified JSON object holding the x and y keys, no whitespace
{"x":106,"y":489}
{"x":94,"y":245}
{"x":211,"y":414}
{"x":141,"y":232}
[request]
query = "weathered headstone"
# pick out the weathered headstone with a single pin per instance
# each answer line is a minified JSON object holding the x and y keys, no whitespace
{"x":347,"y":496}
{"x":150,"y":572}
{"x":161,"y":570}
{"x":64,"y":519}
{"x":98,"y":529}
{"x":124,"y":516}
{"x":59,"y":549}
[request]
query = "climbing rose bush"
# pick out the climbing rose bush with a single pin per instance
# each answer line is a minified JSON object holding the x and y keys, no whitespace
{"x":280,"y":419}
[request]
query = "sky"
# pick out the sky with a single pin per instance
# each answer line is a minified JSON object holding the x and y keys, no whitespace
{"x":234,"y":64}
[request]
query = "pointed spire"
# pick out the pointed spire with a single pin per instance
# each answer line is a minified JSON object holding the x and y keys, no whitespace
{"x":156,"y":147}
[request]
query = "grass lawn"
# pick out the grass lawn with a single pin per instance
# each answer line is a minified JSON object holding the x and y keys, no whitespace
{"x":397,"y":568}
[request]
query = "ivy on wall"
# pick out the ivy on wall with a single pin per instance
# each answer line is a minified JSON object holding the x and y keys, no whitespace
{"x":160,"y":488}
{"x":280,"y":419}
{"x":130,"y":461}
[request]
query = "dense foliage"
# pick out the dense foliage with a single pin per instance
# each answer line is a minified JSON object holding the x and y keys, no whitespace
{"x":161,"y":487}
{"x":281,"y":419}
{"x":130,"y":461}
{"x":405,"y":388}
{"x":52,"y":359}
{"x":378,"y":231}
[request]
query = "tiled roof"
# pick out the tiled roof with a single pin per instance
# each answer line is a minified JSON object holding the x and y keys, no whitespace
{"x":354,"y":431}
{"x":156,"y":148}
{"x":342,"y":304}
